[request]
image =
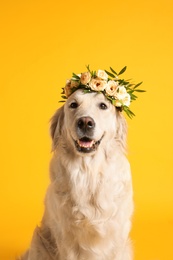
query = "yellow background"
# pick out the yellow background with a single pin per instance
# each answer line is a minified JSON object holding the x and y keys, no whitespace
{"x":42,"y":43}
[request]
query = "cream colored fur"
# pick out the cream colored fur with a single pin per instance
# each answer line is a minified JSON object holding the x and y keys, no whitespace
{"x":88,"y":205}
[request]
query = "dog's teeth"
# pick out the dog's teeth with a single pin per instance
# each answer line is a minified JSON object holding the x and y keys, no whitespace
{"x":85,"y":144}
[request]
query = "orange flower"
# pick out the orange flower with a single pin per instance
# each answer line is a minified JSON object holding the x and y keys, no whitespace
{"x":97,"y":84}
{"x":70,"y":84}
{"x":85,"y":78}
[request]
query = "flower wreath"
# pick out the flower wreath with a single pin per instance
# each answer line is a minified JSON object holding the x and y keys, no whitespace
{"x":118,"y":91}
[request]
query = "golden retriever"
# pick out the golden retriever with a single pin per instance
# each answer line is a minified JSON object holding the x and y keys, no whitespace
{"x":89,"y":204}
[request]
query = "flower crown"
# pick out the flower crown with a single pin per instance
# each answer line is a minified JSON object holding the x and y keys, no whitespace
{"x":118,"y":91}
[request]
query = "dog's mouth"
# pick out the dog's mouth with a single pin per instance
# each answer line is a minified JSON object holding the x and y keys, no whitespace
{"x":87,"y":145}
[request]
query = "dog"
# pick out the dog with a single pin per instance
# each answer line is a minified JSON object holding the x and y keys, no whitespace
{"x":89,"y":202}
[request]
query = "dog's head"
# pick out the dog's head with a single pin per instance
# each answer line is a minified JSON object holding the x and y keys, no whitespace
{"x":86,"y":121}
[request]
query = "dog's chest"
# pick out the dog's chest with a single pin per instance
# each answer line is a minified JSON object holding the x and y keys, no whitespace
{"x":92,"y":196}
{"x":97,"y":193}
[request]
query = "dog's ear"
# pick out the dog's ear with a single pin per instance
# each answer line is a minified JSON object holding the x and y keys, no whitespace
{"x":121,"y":134}
{"x":56,"y":124}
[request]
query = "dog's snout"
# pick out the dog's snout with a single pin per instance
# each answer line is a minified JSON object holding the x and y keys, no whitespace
{"x":85,"y":124}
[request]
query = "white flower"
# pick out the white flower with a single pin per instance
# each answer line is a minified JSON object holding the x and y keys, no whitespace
{"x":101,"y":74}
{"x":97,"y":84}
{"x":85,"y":78}
{"x":126,"y":100}
{"x":73,"y":78}
{"x":123,"y":98}
{"x":111,"y":88}
{"x":121,"y":92}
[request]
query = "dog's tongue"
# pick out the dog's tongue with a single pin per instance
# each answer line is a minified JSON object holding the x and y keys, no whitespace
{"x":85,"y":143}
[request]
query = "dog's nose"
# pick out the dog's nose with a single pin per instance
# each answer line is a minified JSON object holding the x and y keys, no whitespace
{"x":85,"y":123}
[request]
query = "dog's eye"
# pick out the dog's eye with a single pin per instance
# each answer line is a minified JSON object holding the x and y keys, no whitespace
{"x":74,"y":105}
{"x":103,"y":106}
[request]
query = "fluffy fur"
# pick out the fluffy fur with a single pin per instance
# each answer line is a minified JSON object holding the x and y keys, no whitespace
{"x":88,"y":205}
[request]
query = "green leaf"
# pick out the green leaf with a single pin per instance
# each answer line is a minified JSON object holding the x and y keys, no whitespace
{"x":122,"y":71}
{"x":88,"y":67}
{"x":113,"y":101}
{"x":126,"y":82}
{"x":130,"y":85}
{"x":137,"y":85}
{"x":130,"y":91}
{"x":128,"y":112}
{"x":76,"y":76}
{"x":110,"y":74}
{"x":64,"y":97}
{"x":121,"y":81}
{"x":87,"y":91}
{"x":139,"y":90}
{"x":113,"y":71}
{"x":133,"y":97}
{"x":75,"y":79}
{"x":93,"y":74}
